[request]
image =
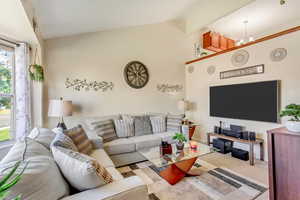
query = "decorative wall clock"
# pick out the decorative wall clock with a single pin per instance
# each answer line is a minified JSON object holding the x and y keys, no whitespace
{"x":240,"y":58}
{"x":136,"y":74}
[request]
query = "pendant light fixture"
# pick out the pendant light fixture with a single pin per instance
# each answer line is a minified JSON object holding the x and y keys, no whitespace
{"x":246,"y":39}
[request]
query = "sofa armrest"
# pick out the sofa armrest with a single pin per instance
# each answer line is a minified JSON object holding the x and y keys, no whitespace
{"x":128,"y":188}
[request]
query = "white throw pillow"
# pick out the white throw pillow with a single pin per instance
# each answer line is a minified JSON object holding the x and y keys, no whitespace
{"x":81,"y":171}
{"x":124,"y":128}
{"x":43,"y":136}
{"x":158,"y":124}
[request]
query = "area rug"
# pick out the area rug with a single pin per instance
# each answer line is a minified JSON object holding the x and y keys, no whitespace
{"x":213,"y":184}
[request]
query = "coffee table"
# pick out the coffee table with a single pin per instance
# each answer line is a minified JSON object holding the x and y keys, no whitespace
{"x":178,"y":164}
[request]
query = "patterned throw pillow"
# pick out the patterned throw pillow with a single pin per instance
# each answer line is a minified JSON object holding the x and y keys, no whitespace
{"x":62,"y":140}
{"x":124,"y":128}
{"x":86,"y":173}
{"x":158,"y":124}
{"x":80,"y":139}
{"x":105,"y":129}
{"x":142,"y":125}
{"x":174,"y":123}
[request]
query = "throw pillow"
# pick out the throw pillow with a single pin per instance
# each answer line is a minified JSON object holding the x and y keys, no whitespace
{"x":86,"y":172}
{"x":41,"y":175}
{"x":80,"y":139}
{"x":24,"y":149}
{"x":43,"y":136}
{"x":142,"y":125}
{"x":174,"y":123}
{"x":62,"y":140}
{"x":124,"y":128}
{"x":105,"y":129}
{"x":158,"y":124}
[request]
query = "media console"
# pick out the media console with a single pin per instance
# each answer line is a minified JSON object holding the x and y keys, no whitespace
{"x":251,"y":143}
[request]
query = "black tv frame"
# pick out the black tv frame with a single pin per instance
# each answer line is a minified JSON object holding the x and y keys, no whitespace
{"x":277,"y":107}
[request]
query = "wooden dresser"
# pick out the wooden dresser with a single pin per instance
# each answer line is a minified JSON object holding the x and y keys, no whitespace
{"x":284,"y":164}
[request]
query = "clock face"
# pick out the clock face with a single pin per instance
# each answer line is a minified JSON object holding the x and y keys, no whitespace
{"x":136,"y":74}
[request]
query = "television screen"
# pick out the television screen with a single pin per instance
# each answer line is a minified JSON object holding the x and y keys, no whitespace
{"x":251,"y":101}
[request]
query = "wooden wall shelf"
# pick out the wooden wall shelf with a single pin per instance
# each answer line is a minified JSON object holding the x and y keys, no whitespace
{"x":269,"y":37}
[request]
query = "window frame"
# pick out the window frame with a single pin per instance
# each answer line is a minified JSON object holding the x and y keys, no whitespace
{"x":12,"y":95}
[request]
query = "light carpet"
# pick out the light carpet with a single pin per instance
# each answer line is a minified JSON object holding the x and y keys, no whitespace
{"x":213,"y":183}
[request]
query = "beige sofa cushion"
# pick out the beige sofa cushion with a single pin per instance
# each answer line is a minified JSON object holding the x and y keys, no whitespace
{"x":80,"y":139}
{"x":81,"y":171}
{"x":43,"y":136}
{"x":121,"y":145}
{"x":146,"y":141}
{"x":101,"y":156}
{"x":41,"y":176}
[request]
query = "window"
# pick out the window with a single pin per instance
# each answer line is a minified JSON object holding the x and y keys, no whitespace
{"x":6,"y":93}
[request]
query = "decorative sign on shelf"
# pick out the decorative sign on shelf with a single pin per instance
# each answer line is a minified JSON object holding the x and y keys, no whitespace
{"x":257,"y":69}
{"x":165,"y":88}
{"x":79,"y":85}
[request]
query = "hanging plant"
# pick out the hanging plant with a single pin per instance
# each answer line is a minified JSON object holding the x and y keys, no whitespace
{"x":36,"y":71}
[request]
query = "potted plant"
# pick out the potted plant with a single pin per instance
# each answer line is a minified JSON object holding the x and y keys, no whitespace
{"x":293,"y":111}
{"x":180,"y":141}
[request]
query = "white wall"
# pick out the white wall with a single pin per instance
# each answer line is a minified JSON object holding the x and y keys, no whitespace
{"x":102,"y":56}
{"x":288,"y":71}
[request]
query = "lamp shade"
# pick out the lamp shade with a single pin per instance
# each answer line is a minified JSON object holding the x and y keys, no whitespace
{"x":59,"y":108}
{"x":183,"y":105}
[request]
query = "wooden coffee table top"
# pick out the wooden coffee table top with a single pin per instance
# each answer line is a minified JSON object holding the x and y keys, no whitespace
{"x":154,"y":154}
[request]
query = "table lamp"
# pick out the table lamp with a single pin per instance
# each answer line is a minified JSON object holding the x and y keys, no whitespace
{"x":60,"y":108}
{"x":183,"y":105}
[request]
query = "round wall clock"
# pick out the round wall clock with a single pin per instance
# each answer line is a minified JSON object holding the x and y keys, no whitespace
{"x":136,"y":74}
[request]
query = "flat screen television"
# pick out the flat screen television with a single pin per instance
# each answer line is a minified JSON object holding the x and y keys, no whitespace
{"x":251,"y":101}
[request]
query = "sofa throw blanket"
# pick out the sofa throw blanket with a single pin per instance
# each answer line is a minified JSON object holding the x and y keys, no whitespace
{"x":124,"y":128}
{"x":80,"y":139}
{"x":174,"y":123}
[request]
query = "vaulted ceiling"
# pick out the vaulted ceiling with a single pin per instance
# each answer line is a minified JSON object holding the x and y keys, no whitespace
{"x":67,"y":17}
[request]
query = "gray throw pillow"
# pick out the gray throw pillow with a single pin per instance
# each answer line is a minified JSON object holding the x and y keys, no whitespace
{"x":142,"y":125}
{"x":105,"y":129}
{"x":64,"y":141}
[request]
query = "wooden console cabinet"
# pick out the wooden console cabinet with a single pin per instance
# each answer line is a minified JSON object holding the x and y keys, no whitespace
{"x":284,"y":164}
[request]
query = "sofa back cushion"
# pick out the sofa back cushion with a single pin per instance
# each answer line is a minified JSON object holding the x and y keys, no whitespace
{"x":43,"y":136}
{"x":81,"y":171}
{"x":142,"y":125}
{"x":174,"y":123}
{"x":124,"y":128}
{"x":41,"y":175}
{"x":158,"y":124}
{"x":80,"y":139}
